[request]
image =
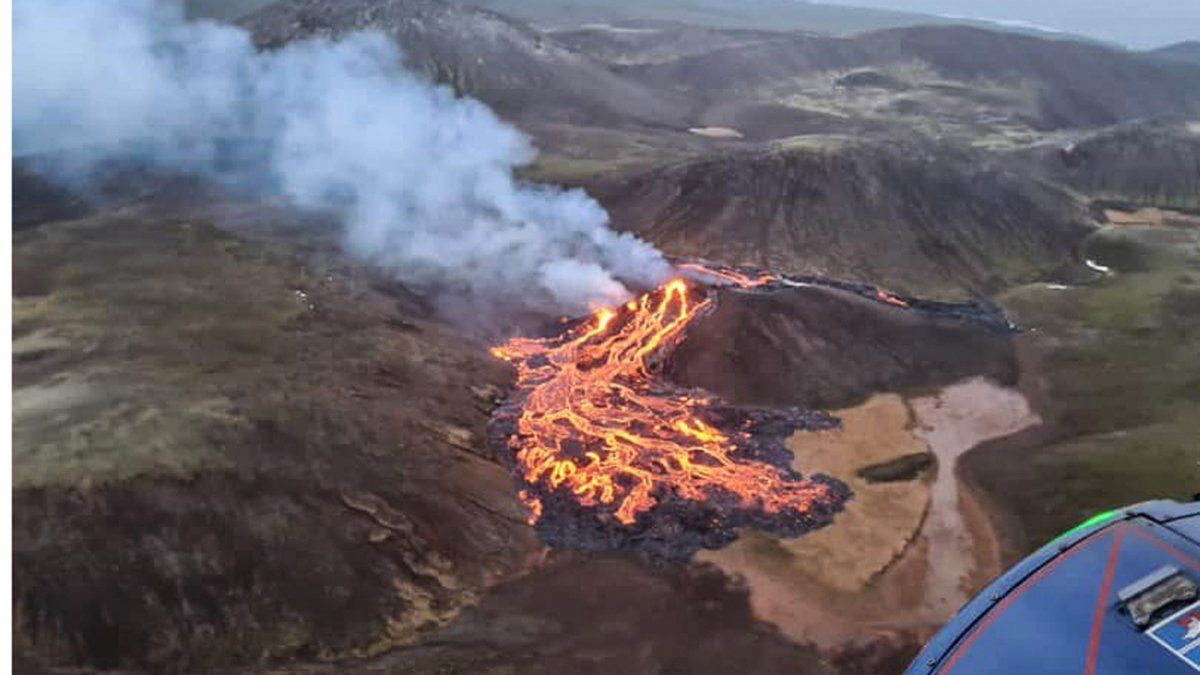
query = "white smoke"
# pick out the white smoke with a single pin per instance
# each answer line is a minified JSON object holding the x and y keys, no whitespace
{"x":422,"y":180}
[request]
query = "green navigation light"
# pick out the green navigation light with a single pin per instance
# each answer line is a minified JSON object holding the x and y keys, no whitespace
{"x":1098,"y":519}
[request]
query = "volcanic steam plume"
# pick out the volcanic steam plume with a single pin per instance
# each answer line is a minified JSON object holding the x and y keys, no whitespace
{"x":422,"y":179}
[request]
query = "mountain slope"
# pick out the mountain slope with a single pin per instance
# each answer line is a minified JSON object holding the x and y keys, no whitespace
{"x":924,"y":218}
{"x":1047,"y":84}
{"x":1185,"y":52}
{"x":231,"y":449}
{"x":774,"y":15}
{"x":516,"y":70}
{"x":750,"y":346}
{"x":1144,"y":164}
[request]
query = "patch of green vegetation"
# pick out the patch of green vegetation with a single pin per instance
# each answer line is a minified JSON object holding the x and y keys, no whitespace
{"x":123,"y":356}
{"x":830,"y":143}
{"x":124,"y":438}
{"x":562,"y":169}
{"x":905,"y":468}
{"x":1122,"y":378}
{"x":1131,"y":200}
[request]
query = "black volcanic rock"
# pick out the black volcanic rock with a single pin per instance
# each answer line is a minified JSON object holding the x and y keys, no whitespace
{"x":675,"y":527}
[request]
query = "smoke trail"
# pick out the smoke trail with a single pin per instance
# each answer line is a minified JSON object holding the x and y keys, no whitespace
{"x":421,"y":179}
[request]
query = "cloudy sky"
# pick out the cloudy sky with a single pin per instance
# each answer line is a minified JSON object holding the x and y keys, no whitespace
{"x":1134,"y":23}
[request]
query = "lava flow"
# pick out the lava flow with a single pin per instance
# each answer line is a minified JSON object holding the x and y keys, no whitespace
{"x":593,"y":426}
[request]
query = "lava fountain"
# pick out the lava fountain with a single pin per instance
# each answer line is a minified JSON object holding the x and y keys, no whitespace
{"x":611,"y":455}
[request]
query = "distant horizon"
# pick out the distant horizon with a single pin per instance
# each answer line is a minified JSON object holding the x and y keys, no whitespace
{"x":1134,"y":24}
{"x":1124,"y":23}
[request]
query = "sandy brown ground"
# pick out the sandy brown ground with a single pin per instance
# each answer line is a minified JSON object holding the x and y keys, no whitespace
{"x":953,"y":421}
{"x":1152,"y":216}
{"x":882,"y":518}
{"x":905,"y":554}
{"x":716,"y":132}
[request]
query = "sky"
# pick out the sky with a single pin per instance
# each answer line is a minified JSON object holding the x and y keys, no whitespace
{"x":1139,"y":24}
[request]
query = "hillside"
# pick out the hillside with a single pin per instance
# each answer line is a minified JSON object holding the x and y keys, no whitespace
{"x":271,"y":462}
{"x":773,"y":15}
{"x":848,"y":347}
{"x":1155,"y":165}
{"x":629,"y":91}
{"x":920,"y":218}
{"x":1185,"y":52}
{"x":753,"y":14}
{"x":514,"y":69}
{"x":610,"y":108}
{"x":969,"y":77}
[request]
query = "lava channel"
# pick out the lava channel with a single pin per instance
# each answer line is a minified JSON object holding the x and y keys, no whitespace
{"x":612,"y":456}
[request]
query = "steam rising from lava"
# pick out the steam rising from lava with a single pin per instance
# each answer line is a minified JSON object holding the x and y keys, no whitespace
{"x":421,"y":179}
{"x":594,"y":428}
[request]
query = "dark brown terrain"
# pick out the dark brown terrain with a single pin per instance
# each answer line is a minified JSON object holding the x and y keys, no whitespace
{"x":1136,"y":164}
{"x":750,"y":348}
{"x":236,"y":450}
{"x":927,"y":219}
{"x":233,"y":462}
{"x":518,"y":71}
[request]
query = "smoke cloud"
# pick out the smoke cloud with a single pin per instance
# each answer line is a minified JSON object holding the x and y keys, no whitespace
{"x":422,"y":180}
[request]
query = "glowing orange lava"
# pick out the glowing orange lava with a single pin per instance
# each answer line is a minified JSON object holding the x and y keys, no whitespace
{"x":728,"y":275}
{"x":595,"y":422}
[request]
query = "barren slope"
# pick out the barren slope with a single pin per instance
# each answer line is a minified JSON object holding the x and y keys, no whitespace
{"x":1043,"y":84}
{"x":822,"y":347}
{"x":226,"y":452}
{"x":1137,"y":163}
{"x":511,"y":67}
{"x":921,"y":218}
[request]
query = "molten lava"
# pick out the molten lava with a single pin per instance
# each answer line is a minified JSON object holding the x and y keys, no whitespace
{"x":597,"y":425}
